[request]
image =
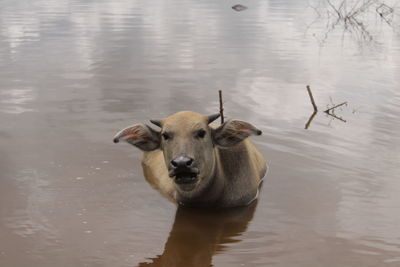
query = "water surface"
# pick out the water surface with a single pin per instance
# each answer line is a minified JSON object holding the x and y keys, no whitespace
{"x":72,"y":73}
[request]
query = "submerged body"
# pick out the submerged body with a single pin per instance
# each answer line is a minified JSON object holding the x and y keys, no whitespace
{"x":195,"y":164}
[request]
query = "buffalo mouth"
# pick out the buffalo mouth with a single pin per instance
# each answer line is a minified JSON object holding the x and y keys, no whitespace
{"x":186,"y":178}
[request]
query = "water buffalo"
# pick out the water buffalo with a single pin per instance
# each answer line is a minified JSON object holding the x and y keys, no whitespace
{"x":195,"y":163}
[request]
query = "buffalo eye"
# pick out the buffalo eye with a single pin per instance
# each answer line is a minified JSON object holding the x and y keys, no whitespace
{"x":200,"y":133}
{"x":166,"y":136}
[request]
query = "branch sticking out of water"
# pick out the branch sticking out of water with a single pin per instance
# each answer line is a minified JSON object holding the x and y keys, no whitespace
{"x":328,"y":111}
{"x":221,"y":106}
{"x":333,"y":108}
{"x":312,"y":98}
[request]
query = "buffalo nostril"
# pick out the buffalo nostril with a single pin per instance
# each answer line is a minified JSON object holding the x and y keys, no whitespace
{"x":174,"y":163}
{"x":189,"y":162}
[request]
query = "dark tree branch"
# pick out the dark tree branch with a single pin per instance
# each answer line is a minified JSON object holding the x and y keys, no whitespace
{"x":312,"y":98}
{"x":221,"y":107}
{"x":332,"y":108}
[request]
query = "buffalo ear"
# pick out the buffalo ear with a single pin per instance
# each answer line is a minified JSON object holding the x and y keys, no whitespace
{"x":141,"y":136}
{"x":233,"y":131}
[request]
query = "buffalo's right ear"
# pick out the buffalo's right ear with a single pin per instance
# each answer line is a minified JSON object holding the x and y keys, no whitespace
{"x":141,"y":136}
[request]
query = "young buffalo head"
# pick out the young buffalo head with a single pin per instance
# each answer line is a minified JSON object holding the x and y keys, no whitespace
{"x":187,"y":141}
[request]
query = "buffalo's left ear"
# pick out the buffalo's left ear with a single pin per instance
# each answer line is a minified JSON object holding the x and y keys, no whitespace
{"x":232,"y":132}
{"x":142,"y":136}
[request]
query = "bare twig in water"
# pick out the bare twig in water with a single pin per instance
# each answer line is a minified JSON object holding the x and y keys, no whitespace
{"x":352,"y":16}
{"x":386,"y":13}
{"x":221,"y":107}
{"x":310,"y":120}
{"x":339,"y":14}
{"x":336,"y":106}
{"x":314,"y":106}
{"x":312,"y":98}
{"x":330,"y":111}
{"x":336,"y":117}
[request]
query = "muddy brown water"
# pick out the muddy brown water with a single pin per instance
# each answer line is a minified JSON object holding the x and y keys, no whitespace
{"x":72,"y":73}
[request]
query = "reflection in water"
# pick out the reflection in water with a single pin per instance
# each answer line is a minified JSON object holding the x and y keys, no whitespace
{"x":353,"y":18}
{"x":310,"y":119}
{"x":197,"y":235}
{"x":15,"y":101}
{"x":333,"y":115}
{"x":330,"y":111}
{"x":330,"y":114}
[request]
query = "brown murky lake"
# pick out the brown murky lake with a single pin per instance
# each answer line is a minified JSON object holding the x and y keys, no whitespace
{"x":72,"y":73}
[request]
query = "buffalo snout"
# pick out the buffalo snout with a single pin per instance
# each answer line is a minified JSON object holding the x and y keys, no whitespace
{"x":181,"y":162}
{"x":183,"y":171}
